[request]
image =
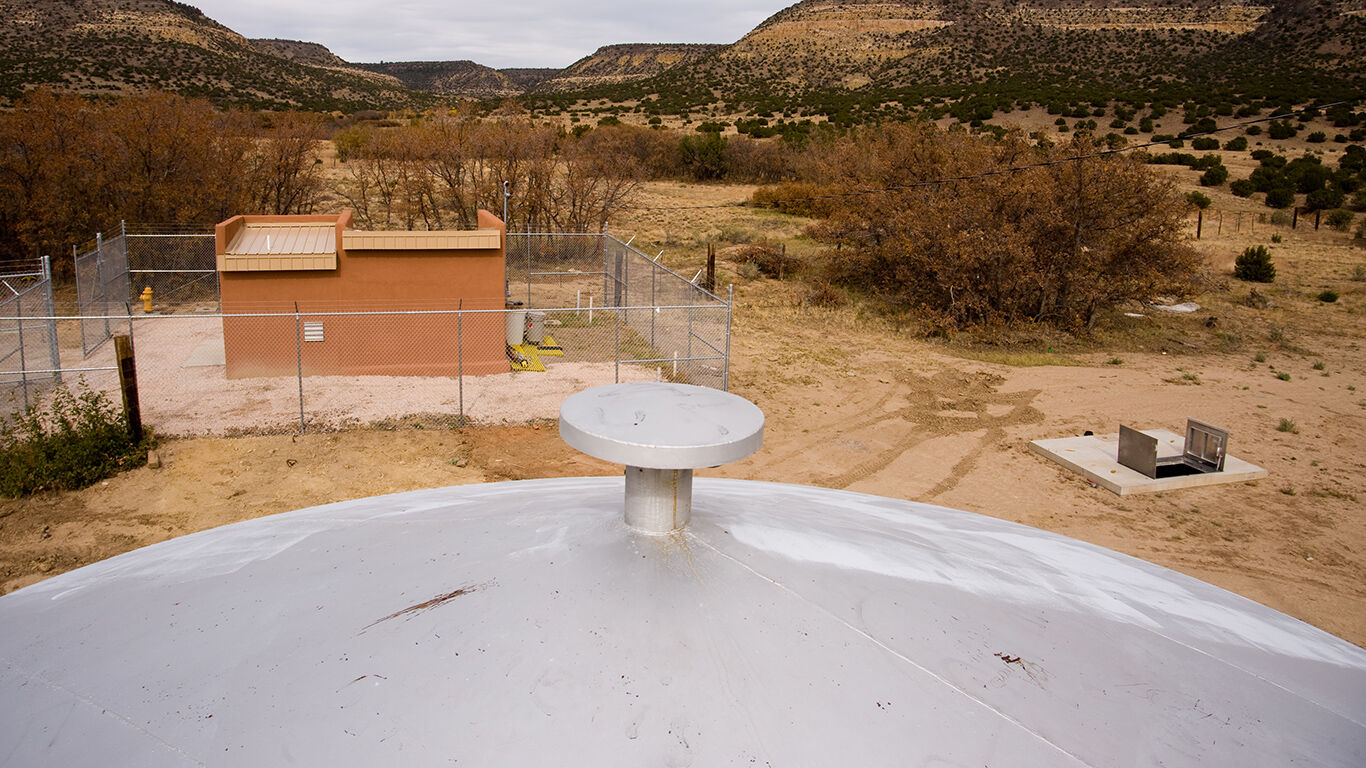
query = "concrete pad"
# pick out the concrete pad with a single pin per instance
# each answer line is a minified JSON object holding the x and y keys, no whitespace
{"x":1096,"y":457}
{"x":207,"y":352}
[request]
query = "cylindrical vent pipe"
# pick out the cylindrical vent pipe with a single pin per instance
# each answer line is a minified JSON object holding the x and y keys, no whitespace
{"x":658,"y":500}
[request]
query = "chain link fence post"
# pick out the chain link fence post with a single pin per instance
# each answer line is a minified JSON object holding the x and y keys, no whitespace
{"x":730,"y":308}
{"x":50,"y":308}
{"x":299,"y":364}
{"x":460,"y":360}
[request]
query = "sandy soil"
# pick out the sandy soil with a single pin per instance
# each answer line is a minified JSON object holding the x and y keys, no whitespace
{"x":855,"y":402}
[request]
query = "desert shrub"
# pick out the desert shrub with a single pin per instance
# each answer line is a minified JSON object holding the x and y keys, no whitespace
{"x":1340,"y":220}
{"x":1317,"y":137}
{"x":1281,"y":129}
{"x":1204,"y":143}
{"x":799,"y":198}
{"x":1236,"y":144}
{"x":1276,"y":238}
{"x":1214,"y":176}
{"x":74,"y":442}
{"x":1254,"y":265}
{"x":1051,"y":244}
{"x":770,"y":258}
{"x":1323,"y":199}
{"x":1280,"y":219}
{"x":1198,"y":199}
{"x":824,"y":294}
{"x":1242,"y":187}
{"x":704,"y":156}
{"x":1328,"y":296}
{"x":1280,"y":197}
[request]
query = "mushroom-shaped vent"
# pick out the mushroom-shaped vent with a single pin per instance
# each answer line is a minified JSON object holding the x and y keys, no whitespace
{"x":661,"y":432}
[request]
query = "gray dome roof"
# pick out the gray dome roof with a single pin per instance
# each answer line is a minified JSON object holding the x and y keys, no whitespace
{"x":524,"y":623}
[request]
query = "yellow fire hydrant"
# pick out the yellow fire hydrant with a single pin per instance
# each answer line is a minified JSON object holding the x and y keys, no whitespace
{"x":146,"y":299}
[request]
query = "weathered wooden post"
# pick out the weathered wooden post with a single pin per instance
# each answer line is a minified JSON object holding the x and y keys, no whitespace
{"x":711,"y":267}
{"x":128,"y":384}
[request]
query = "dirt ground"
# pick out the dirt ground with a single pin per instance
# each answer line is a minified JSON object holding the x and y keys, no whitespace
{"x":854,"y":401}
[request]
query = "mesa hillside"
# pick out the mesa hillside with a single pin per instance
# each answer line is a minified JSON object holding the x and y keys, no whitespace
{"x":816,"y":52}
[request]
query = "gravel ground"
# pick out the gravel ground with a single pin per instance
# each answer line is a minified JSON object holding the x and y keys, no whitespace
{"x":183,"y":400}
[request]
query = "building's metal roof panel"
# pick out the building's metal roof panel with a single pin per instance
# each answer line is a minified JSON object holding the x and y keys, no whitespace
{"x":524,"y":623}
{"x":284,"y":240}
{"x":276,"y":247}
{"x":435,"y":240}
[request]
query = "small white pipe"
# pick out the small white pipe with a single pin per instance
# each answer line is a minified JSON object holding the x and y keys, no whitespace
{"x":590,"y":310}
{"x":675,"y":364}
{"x":578,"y":301}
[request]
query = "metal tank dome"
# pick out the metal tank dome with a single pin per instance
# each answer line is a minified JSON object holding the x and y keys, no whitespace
{"x":527,"y":623}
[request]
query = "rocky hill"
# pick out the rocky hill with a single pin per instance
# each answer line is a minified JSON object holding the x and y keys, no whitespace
{"x":313,"y":54}
{"x":464,"y":79}
{"x":821,"y":52}
{"x":528,"y":78}
{"x":625,"y":62}
{"x":127,"y":46}
{"x":1303,"y":47}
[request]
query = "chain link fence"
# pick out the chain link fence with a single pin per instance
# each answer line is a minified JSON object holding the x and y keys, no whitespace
{"x":176,"y":262}
{"x":582,"y":310}
{"x":599,"y":270}
{"x":29,"y":359}
{"x":312,"y":371}
{"x":102,"y":287}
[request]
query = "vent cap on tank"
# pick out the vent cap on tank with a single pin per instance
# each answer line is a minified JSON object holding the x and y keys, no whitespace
{"x":661,"y":432}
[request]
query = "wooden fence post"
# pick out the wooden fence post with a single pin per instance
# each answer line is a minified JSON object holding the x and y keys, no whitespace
{"x":711,"y":267}
{"x":128,"y":384}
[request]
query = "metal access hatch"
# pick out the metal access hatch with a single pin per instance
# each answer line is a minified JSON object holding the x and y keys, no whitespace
{"x":1205,"y":449}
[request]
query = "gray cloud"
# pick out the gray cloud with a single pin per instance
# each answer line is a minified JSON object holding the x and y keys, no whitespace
{"x":528,"y":33}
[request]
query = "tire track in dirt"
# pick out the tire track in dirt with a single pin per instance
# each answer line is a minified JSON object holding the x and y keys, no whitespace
{"x":923,"y":418}
{"x":1022,"y":412}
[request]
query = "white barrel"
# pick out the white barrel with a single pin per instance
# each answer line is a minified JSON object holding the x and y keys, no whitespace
{"x":535,"y":326}
{"x":516,"y":325}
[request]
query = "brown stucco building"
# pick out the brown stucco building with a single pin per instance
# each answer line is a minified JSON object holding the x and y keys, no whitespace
{"x":319,"y":265}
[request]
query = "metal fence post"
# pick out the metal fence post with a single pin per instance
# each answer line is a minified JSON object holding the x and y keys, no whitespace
{"x":299,"y":364}
{"x":528,"y":265}
{"x":23,"y":365}
{"x":99,"y":281}
{"x":725,"y":366}
{"x":692,"y":296}
{"x":653,"y":273}
{"x":460,"y":358}
{"x":616,"y":353}
{"x":50,"y":309}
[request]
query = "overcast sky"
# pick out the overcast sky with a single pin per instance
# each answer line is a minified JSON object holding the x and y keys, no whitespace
{"x":516,"y":33}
